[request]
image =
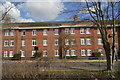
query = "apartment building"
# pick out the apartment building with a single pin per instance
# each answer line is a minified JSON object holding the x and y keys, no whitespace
{"x":71,"y":38}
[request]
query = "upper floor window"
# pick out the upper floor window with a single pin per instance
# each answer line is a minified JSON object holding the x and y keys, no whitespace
{"x":11,"y":42}
{"x":56,"y":53}
{"x":66,"y":41}
{"x":56,"y":42}
{"x":23,"y":32}
{"x":67,"y":52}
{"x":82,"y":41}
{"x":83,"y":52}
{"x":98,"y":31}
{"x":56,"y":31}
{"x":66,"y":30}
{"x":11,"y":54}
{"x":45,"y":43}
{"x":33,"y":32}
{"x":88,"y":41}
{"x":99,"y":41}
{"x":87,"y":30}
{"x":45,"y":53}
{"x":33,"y":42}
{"x":12,"y":32}
{"x":73,"y":53}
{"x":82,"y":31}
{"x":89,"y":52}
{"x":23,"y":42}
{"x":45,"y":32}
{"x":72,"y":30}
{"x":6,"y":43}
{"x":5,"y":54}
{"x":6,"y":32}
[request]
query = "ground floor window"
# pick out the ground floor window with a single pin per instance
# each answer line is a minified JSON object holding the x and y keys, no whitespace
{"x":11,"y":54}
{"x":83,"y":52}
{"x":45,"y":53}
{"x":33,"y":52}
{"x":5,"y":54}
{"x":22,"y":53}
{"x":89,"y":52}
{"x":73,"y":53}
{"x":67,"y":52}
{"x":56,"y":53}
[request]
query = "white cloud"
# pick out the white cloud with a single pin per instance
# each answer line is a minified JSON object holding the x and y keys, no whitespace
{"x":43,"y":10}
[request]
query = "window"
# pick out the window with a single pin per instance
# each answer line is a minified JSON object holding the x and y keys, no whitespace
{"x":101,"y":51}
{"x":87,"y":30}
{"x":45,"y":32}
{"x":23,"y":32}
{"x":33,"y":42}
{"x":45,"y":53}
{"x":82,"y":41}
{"x":56,"y":42}
{"x":22,"y":53}
{"x":11,"y":53}
{"x":66,"y":30}
{"x":23,"y":42}
{"x":99,"y":41}
{"x":5,"y":43}
{"x":33,"y":52}
{"x":73,"y":53}
{"x":5,"y":54}
{"x":72,"y":30}
{"x":88,"y":41}
{"x":56,"y":53}
{"x":6,"y":32}
{"x":83,"y":52}
{"x":12,"y":32}
{"x":66,"y":41}
{"x":67,"y":52}
{"x":45,"y":43}
{"x":82,"y":31}
{"x":56,"y":32}
{"x":98,"y":31}
{"x":89,"y":52}
{"x":33,"y":32}
{"x":11,"y":42}
{"x":73,"y":42}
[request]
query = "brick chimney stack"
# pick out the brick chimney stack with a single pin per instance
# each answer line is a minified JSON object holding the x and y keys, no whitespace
{"x":75,"y":18}
{"x":7,"y":20}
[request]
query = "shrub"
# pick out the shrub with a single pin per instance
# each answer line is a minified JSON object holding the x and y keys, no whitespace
{"x":71,"y":57}
{"x":17,"y":56}
{"x":96,"y":54}
{"x":39,"y":54}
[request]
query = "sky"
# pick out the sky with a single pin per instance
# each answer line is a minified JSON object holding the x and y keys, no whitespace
{"x":41,"y":11}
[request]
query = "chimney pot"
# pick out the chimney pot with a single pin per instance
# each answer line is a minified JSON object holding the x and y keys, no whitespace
{"x":75,"y":18}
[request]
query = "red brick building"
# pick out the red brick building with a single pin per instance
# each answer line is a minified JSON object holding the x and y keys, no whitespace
{"x":82,"y":38}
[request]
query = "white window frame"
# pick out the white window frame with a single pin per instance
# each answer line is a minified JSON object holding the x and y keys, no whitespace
{"x":23,"y":33}
{"x":33,"y":32}
{"x":83,"y":52}
{"x":12,"y":32}
{"x":82,"y":31}
{"x":5,"y":54}
{"x":101,"y":51}
{"x":45,"y":32}
{"x":6,"y":45}
{"x":66,"y":41}
{"x":56,"y":52}
{"x":56,"y":31}
{"x":88,"y":41}
{"x":88,"y":31}
{"x":22,"y":53}
{"x":66,"y":30}
{"x":11,"y":53}
{"x":11,"y":43}
{"x":82,"y":41}
{"x":89,"y":52}
{"x":73,"y":52}
{"x":99,"y":41}
{"x":33,"y":52}
{"x":45,"y":42}
{"x":72,"y":30}
{"x":34,"y":42}
{"x":67,"y":52}
{"x":22,"y":42}
{"x":98,"y":31}
{"x":45,"y":53}
{"x":56,"y":42}
{"x":6,"y":32}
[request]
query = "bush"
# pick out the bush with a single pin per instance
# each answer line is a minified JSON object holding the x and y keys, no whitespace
{"x":96,"y":54}
{"x":71,"y":57}
{"x":17,"y":56}
{"x":39,"y":54}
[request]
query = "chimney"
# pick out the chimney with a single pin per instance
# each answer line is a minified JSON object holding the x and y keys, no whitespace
{"x":75,"y":18}
{"x":7,"y":20}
